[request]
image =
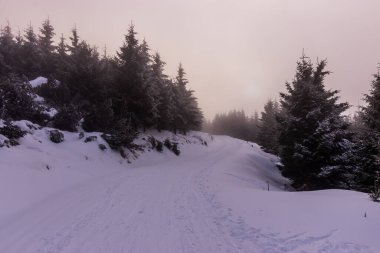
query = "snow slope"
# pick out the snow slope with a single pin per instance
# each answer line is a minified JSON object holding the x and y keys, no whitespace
{"x":211,"y":198}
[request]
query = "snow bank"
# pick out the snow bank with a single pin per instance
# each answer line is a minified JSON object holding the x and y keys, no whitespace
{"x":214,"y":197}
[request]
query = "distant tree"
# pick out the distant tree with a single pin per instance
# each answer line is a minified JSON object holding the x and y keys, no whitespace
{"x":316,"y":144}
{"x":235,"y":124}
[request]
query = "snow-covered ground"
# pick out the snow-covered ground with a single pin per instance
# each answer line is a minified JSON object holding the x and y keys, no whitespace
{"x":74,"y":197}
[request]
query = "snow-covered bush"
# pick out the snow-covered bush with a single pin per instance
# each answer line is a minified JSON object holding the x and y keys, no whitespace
{"x":17,"y":101}
{"x":56,"y":136}
{"x":11,"y":132}
{"x":172,"y":146}
{"x":159,"y":146}
{"x":66,"y":119}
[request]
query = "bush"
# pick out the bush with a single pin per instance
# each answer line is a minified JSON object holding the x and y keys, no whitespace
{"x":121,"y":136}
{"x":172,"y":146}
{"x":67,"y":118}
{"x":175,"y":149}
{"x":168,"y":144}
{"x":17,"y":103}
{"x":159,"y":146}
{"x":56,"y":136}
{"x":90,"y":139}
{"x":12,"y":132}
{"x":102,"y":147}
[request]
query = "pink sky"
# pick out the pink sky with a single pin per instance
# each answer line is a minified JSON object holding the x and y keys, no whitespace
{"x":237,"y":54}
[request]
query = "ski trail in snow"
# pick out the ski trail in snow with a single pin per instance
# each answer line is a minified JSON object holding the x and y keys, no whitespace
{"x":167,"y":208}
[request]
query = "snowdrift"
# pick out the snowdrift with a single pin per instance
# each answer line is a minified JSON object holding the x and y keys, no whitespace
{"x":219,"y":195}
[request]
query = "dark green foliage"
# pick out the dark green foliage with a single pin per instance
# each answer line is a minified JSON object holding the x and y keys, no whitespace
{"x":375,"y":193}
{"x":316,"y":145}
{"x":175,"y":149}
{"x":269,"y":128}
{"x":368,"y":135}
{"x":102,"y":91}
{"x":56,"y":136}
{"x":16,"y":101}
{"x":90,"y":139}
{"x":12,"y":132}
{"x":121,"y":136}
{"x":168,"y":144}
{"x":67,"y":118}
{"x":102,"y":147}
{"x":159,"y":146}
{"x":172,"y":146}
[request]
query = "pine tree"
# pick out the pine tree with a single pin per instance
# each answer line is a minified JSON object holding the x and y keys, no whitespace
{"x":133,"y":100}
{"x":30,"y":55}
{"x":368,"y":136}
{"x":269,"y":128}
{"x":74,"y":40}
{"x":316,"y":146}
{"x":45,"y":42}
{"x":189,"y":116}
{"x":7,"y":50}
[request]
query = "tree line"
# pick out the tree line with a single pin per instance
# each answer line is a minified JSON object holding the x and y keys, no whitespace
{"x":319,"y":147}
{"x":118,"y":95}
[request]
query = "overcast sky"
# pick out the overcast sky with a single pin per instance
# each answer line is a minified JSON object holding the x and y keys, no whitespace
{"x":237,"y":54}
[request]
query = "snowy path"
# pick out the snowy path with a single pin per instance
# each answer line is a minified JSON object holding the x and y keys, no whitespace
{"x":167,"y":207}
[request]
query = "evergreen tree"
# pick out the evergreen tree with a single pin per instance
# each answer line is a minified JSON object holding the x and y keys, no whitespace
{"x":74,"y":40}
{"x":30,"y":57}
{"x":133,"y":96}
{"x":269,"y":129}
{"x":368,"y":135}
{"x":45,"y":42}
{"x":188,"y":116}
{"x":7,"y":50}
{"x":316,"y":147}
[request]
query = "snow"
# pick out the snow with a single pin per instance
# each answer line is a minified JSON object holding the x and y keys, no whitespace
{"x":38,"y":81}
{"x":73,"y":197}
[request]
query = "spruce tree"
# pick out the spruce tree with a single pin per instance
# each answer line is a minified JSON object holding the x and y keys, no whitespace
{"x":45,"y":42}
{"x":368,"y":135}
{"x":269,"y":128}
{"x":7,"y":50}
{"x":189,"y":116}
{"x":30,"y":56}
{"x":316,"y":146}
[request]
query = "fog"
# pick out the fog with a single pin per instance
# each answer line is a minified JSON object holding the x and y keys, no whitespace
{"x":237,"y":54}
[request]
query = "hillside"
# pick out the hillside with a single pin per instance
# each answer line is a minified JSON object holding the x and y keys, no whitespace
{"x":74,"y":197}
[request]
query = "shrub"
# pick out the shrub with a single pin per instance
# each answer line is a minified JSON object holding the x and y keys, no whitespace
{"x":168,"y":144}
{"x":11,"y":131}
{"x":159,"y":146}
{"x":175,"y":149}
{"x":90,"y":139}
{"x":17,"y":101}
{"x":67,"y":118}
{"x":56,"y":136}
{"x":102,"y":147}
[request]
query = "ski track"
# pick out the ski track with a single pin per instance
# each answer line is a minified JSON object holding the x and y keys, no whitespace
{"x":141,"y":207}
